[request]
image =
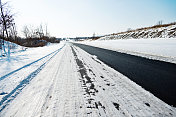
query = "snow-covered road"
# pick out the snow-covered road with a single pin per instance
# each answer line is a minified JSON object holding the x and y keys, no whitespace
{"x":76,"y":84}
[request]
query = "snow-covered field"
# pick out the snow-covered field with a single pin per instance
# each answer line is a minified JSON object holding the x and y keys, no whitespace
{"x":163,"y":49}
{"x":69,"y":82}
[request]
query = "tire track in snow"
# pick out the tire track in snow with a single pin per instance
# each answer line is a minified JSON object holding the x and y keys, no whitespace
{"x":95,"y":106}
{"x":25,"y":66}
{"x":51,"y":89}
{"x":12,"y":95}
{"x":94,"y":101}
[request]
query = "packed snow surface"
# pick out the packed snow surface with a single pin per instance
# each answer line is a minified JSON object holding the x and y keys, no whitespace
{"x":163,"y":49}
{"x":73,"y":83}
{"x":22,"y":66}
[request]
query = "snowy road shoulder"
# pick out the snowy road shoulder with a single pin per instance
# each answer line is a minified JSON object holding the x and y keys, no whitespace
{"x":75,"y":83}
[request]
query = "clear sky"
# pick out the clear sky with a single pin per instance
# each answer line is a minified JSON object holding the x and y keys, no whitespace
{"x":73,"y":18}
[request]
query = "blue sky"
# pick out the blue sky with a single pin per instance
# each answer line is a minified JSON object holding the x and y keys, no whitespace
{"x":72,"y":18}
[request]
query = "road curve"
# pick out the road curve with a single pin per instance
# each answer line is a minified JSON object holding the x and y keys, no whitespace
{"x":155,"y":76}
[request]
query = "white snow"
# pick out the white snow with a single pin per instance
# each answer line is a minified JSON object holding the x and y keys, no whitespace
{"x":14,"y":48}
{"x":22,"y":65}
{"x":163,"y":49}
{"x":22,"y":57}
{"x":74,"y":83}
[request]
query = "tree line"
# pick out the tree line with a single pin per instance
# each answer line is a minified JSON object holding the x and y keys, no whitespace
{"x":37,"y":36}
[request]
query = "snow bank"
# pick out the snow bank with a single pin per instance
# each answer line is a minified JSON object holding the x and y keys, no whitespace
{"x":13,"y":47}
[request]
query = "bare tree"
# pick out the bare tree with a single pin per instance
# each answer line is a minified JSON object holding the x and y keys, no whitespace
{"x":6,"y":23}
{"x":39,"y":31}
{"x":26,"y":31}
{"x":13,"y":32}
{"x":35,"y":32}
{"x":159,"y":22}
{"x":2,"y":20}
{"x":46,"y":31}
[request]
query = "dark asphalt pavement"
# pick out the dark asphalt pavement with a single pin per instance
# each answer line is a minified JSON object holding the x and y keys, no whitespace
{"x":155,"y":76}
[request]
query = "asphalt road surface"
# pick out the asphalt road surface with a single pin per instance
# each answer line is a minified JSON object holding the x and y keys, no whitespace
{"x":155,"y":76}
